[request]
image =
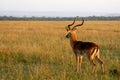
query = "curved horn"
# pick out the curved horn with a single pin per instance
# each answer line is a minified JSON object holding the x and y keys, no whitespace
{"x":79,"y":24}
{"x":68,"y":27}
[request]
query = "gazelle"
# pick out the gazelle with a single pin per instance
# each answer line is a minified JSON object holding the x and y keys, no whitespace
{"x":80,"y":48}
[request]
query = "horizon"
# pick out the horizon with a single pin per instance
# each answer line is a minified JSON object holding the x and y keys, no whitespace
{"x":55,"y":14}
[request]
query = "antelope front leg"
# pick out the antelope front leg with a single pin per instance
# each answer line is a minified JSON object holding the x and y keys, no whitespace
{"x":80,"y":61}
{"x":77,"y":63}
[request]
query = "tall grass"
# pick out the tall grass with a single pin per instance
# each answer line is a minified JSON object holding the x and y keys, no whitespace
{"x":38,"y":50}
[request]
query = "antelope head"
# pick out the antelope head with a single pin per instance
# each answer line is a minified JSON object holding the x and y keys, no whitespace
{"x":72,"y":30}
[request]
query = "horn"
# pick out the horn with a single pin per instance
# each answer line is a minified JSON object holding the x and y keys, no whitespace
{"x":68,"y":27}
{"x":78,"y":24}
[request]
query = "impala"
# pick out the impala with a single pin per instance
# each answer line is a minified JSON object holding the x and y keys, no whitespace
{"x":80,"y":48}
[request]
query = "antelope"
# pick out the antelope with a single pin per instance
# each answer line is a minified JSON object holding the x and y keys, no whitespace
{"x":80,"y":48}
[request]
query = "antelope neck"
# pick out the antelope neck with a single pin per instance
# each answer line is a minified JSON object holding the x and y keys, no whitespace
{"x":73,"y":38}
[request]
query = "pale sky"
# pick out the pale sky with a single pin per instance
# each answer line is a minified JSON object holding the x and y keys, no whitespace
{"x":110,"y":6}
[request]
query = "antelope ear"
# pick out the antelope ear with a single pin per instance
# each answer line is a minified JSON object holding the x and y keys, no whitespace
{"x":66,"y":28}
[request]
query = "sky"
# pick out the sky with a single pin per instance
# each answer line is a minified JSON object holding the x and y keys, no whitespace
{"x":84,"y":6}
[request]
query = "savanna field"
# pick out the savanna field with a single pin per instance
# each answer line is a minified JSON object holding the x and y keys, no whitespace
{"x":39,"y":50}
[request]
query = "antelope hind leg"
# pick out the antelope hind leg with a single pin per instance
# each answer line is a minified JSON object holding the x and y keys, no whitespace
{"x":100,"y":62}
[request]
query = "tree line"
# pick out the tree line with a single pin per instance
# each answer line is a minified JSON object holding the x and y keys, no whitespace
{"x":58,"y":18}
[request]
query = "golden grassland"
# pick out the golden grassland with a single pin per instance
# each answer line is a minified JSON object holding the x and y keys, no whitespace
{"x":38,"y":50}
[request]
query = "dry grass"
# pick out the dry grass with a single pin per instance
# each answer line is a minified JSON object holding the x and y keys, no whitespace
{"x":38,"y":50}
